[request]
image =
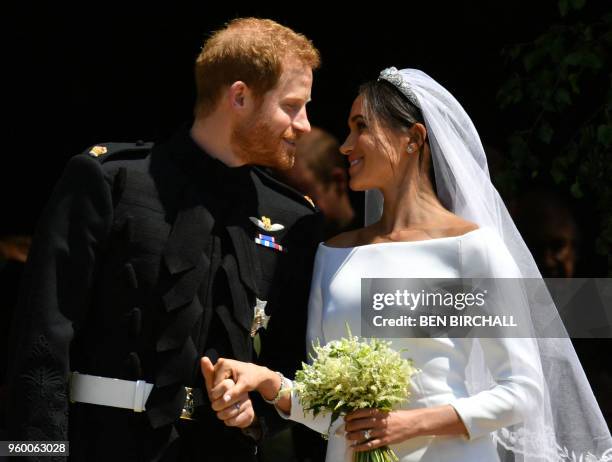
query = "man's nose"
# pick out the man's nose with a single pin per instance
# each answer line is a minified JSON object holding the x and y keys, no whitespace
{"x":301,"y":122}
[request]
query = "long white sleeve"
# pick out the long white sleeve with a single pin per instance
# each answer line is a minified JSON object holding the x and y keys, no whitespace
{"x":517,"y":388}
{"x":513,"y":363}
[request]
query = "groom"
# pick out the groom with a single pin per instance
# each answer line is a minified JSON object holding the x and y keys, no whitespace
{"x":148,"y":257}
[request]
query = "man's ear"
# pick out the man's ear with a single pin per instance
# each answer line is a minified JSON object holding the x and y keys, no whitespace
{"x":237,"y":95}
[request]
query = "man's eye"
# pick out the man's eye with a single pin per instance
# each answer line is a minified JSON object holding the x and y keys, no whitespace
{"x":361,"y":126}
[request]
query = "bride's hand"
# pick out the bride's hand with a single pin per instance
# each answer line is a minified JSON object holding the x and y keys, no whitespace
{"x":237,"y":411}
{"x":396,"y":426}
{"x":367,"y":429}
{"x":246,"y":377}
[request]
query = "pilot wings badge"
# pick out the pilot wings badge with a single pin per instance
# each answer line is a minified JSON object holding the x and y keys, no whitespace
{"x":266,"y":224}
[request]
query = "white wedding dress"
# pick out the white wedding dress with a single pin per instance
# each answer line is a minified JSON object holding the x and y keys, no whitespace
{"x":514,"y":368}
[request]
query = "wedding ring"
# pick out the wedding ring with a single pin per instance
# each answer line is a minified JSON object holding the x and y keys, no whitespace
{"x":367,"y":434}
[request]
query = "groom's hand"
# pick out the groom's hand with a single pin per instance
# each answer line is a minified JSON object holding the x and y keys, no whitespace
{"x":235,"y":410}
{"x":246,"y":376}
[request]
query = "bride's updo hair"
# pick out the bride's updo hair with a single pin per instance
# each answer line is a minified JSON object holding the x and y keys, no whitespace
{"x":386,"y":108}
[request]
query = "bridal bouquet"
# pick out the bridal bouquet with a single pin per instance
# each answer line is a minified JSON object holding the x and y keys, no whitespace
{"x":351,"y":374}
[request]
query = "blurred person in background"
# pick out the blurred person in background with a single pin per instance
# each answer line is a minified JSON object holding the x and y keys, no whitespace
{"x":320,"y":172}
{"x":550,"y":231}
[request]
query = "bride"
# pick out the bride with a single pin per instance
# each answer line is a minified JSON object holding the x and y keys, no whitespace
{"x":432,"y":212}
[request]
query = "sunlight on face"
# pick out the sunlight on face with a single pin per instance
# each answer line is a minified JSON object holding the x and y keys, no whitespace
{"x":268,"y":136}
{"x":370,"y":150}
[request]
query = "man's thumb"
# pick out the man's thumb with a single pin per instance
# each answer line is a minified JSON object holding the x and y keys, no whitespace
{"x":208,"y":371}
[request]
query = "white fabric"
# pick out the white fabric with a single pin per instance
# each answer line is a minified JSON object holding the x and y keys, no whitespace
{"x":105,"y":391}
{"x":335,"y":300}
{"x":568,"y":424}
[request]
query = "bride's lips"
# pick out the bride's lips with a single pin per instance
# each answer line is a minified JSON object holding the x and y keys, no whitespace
{"x":354,"y":164}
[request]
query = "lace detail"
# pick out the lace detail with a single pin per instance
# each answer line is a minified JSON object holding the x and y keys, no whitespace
{"x":526,"y":443}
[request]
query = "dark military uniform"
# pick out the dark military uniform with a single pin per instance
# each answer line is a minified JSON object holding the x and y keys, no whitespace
{"x":145,"y":259}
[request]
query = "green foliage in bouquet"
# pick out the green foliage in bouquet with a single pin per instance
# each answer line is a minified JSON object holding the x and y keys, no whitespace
{"x":351,"y":374}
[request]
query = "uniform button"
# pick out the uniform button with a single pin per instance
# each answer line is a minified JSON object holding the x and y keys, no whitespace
{"x":134,"y":365}
{"x":131,"y":275}
{"x":136,"y":322}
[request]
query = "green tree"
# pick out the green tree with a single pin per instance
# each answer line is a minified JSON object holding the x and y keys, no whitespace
{"x":559,"y":93}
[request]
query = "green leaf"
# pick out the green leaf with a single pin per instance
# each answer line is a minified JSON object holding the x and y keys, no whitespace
{"x":563,"y":7}
{"x":571,"y":155}
{"x":573,"y":80}
{"x":563,"y":97}
{"x":604,"y":134}
{"x":515,"y":51}
{"x":586,"y":58}
{"x":545,"y":133}
{"x":576,"y":190}
{"x":573,"y":59}
{"x":556,"y":48}
{"x":510,"y":92}
{"x":578,"y":4}
{"x":532,"y":59}
{"x":558,"y":175}
{"x":532,"y":162}
{"x":591,"y":60}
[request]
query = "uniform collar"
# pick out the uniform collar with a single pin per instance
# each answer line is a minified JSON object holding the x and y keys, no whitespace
{"x":199,"y":163}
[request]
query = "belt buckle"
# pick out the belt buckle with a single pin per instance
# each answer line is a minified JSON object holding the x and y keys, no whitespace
{"x":188,"y":406}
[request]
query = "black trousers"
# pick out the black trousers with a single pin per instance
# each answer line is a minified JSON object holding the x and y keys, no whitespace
{"x":100,"y":433}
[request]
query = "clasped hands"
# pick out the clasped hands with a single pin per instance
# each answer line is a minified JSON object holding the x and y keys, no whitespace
{"x":228,"y":384}
{"x":231,"y":403}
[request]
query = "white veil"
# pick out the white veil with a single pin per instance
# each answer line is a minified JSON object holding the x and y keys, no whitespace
{"x":567,"y":425}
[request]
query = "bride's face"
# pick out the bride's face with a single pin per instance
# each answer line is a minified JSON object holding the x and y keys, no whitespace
{"x":370,"y":152}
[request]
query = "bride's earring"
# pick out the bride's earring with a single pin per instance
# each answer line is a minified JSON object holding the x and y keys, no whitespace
{"x":410,"y":149}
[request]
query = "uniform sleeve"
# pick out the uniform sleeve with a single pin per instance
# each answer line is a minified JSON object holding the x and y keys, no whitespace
{"x":513,"y":363}
{"x":314,"y":333}
{"x":54,"y":297}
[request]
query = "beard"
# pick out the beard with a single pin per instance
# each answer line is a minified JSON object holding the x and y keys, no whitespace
{"x":255,"y":142}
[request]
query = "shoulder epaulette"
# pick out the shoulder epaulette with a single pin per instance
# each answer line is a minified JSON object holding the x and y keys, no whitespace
{"x":106,"y":151}
{"x":285,"y":188}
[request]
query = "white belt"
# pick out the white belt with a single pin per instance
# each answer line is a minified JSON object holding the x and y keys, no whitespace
{"x":105,"y":391}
